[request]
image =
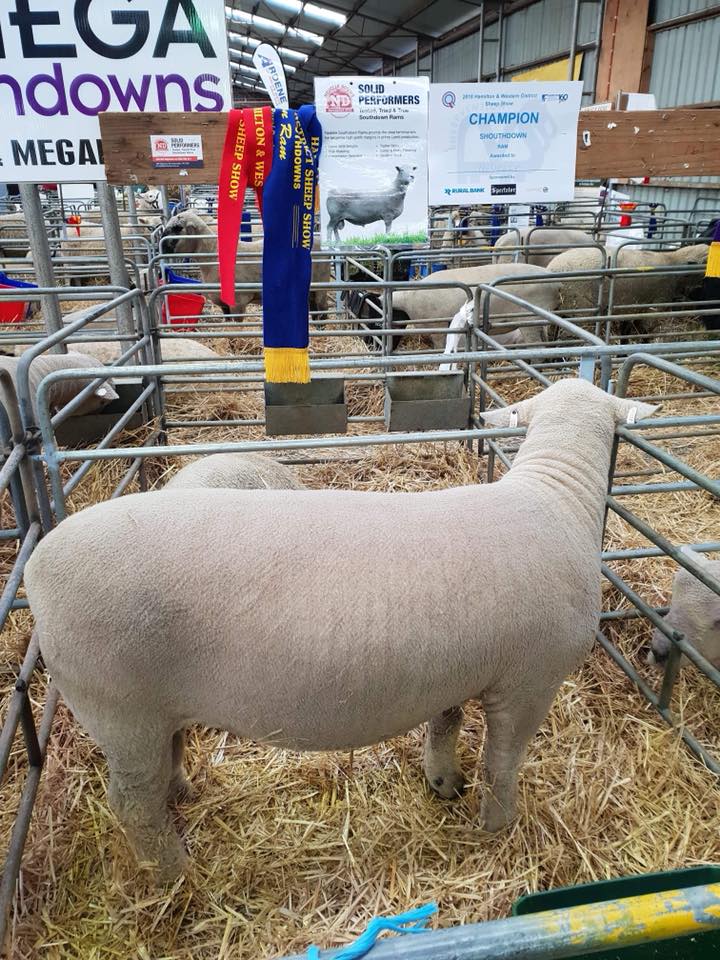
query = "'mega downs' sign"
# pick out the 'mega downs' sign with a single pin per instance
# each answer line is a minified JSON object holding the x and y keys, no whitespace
{"x":64,"y":61}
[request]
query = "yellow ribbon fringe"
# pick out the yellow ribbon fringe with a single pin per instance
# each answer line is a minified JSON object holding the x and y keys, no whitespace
{"x":713,"y":261}
{"x":287,"y":365}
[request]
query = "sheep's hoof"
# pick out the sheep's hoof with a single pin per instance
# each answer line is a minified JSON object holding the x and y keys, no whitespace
{"x":449,"y":787}
{"x":181,"y":790}
{"x":494,"y":817}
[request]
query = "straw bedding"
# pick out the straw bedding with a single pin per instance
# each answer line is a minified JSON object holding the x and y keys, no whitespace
{"x":289,"y":850}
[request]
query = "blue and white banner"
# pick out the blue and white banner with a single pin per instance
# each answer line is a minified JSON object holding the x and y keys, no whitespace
{"x":503,"y":142}
{"x":269,"y":66}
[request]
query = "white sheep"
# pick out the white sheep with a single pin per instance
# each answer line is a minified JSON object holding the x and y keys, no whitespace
{"x":188,"y":234}
{"x":238,"y":471}
{"x":271,"y":637}
{"x":654,"y":285}
{"x":172,"y":349}
{"x":423,"y":303}
{"x":87,"y":240}
{"x":461,"y":234}
{"x":13,"y":235}
{"x":530,"y":238}
{"x":456,"y":335}
{"x":63,"y":391}
{"x":694,"y":612}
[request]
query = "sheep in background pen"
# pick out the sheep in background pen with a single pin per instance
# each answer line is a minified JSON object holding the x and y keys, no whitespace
{"x":526,"y":238}
{"x":14,"y":240}
{"x":424,"y":303}
{"x":273,"y":639}
{"x":237,"y":471}
{"x":694,"y":612}
{"x":461,"y":234}
{"x":188,"y":234}
{"x":652,"y":286}
{"x":362,"y":207}
{"x":63,"y":391}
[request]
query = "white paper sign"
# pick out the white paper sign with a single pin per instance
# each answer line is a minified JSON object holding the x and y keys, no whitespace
{"x":373,"y":164}
{"x":176,"y":151}
{"x":64,"y":61}
{"x":503,"y":142}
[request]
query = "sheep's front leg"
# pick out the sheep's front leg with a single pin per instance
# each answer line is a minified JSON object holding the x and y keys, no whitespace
{"x":513,"y":719}
{"x":441,"y":765}
{"x":388,"y":225}
{"x":140,"y":762}
{"x":180,"y":786}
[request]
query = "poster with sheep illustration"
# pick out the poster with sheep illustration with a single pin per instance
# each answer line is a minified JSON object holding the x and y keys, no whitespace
{"x":373,"y":165}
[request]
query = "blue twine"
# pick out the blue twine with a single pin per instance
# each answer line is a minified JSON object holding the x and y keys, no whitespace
{"x":417,"y":919}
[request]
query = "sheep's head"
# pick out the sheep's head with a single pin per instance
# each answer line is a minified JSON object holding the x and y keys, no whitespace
{"x":405,"y":176}
{"x":149,"y":201}
{"x":182,"y":233}
{"x":698,"y":253}
{"x":694,"y":612}
{"x":563,"y":400}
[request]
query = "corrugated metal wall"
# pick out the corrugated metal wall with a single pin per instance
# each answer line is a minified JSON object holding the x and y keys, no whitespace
{"x":684,"y":71}
{"x":540,"y":31}
{"x":684,"y":68}
{"x":669,"y":9}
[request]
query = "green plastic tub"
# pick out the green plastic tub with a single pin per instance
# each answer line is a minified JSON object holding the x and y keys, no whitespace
{"x":704,"y":946}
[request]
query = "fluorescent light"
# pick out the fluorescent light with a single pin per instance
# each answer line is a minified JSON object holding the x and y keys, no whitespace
{"x":240,"y":39}
{"x":243,"y":39}
{"x":274,"y":26}
{"x":292,"y":54}
{"x":312,"y":10}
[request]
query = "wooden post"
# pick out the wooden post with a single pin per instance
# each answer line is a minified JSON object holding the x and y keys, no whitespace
{"x":622,"y":46}
{"x":618,"y":144}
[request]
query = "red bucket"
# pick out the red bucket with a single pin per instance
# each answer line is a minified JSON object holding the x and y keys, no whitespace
{"x":179,"y":308}
{"x":13,"y":311}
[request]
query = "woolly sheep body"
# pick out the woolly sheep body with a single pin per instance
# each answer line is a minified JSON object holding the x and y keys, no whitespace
{"x":13,"y":235}
{"x":180,"y":348}
{"x":238,"y":471}
{"x":694,"y":612}
{"x":63,"y":391}
{"x":421,"y":301}
{"x":648,"y":287}
{"x":530,"y":236}
{"x":187,"y":233}
{"x":274,"y":639}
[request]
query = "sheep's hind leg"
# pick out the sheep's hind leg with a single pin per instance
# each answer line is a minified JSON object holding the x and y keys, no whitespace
{"x":513,"y":719}
{"x":180,"y":786}
{"x":440,"y":762}
{"x":140,"y":762}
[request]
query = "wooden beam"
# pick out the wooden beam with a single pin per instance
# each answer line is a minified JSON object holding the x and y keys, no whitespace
{"x":621,"y":48}
{"x":649,"y":143}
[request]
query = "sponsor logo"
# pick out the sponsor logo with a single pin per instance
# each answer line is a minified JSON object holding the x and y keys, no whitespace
{"x":503,"y":189}
{"x":560,"y":97}
{"x":338,"y":100}
{"x":161,"y":146}
{"x":448,"y":99}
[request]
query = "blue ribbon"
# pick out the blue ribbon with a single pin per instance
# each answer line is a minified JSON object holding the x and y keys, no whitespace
{"x":417,"y":918}
{"x":289,"y":225}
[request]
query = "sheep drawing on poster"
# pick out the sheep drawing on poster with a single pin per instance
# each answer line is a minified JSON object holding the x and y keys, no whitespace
{"x":363,"y":207}
{"x":373,"y":166}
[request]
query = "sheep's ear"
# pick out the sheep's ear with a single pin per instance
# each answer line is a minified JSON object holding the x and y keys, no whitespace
{"x":397,"y":168}
{"x":514,"y":415}
{"x":628,"y":410}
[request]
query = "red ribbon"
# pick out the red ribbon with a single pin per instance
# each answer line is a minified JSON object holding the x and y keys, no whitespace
{"x":246,"y":158}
